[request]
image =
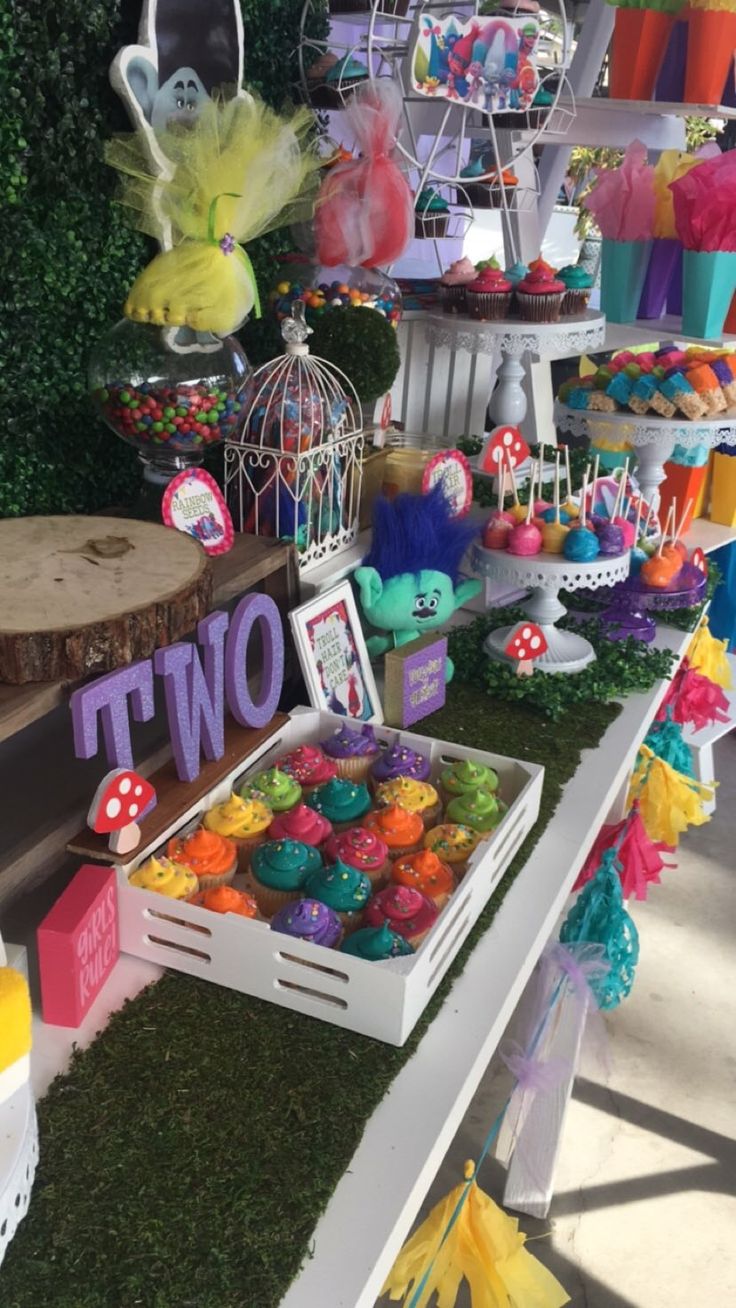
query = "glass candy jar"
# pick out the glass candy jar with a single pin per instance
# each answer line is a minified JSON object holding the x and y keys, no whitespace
{"x":322,"y":289}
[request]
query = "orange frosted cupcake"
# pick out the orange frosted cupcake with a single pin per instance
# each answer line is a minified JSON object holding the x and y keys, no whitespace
{"x":244,"y":821}
{"x":415,"y":796}
{"x":399,"y":829}
{"x":427,"y":873}
{"x":226,"y":899}
{"x":453,"y":843}
{"x":213,"y":859}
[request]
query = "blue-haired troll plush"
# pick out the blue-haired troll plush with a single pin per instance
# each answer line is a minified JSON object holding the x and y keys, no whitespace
{"x":409,"y":582}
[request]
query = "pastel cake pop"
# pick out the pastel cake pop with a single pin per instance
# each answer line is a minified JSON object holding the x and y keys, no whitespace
{"x":554,"y":530}
{"x":581,"y":544}
{"x":498,"y":526}
{"x":525,"y":539}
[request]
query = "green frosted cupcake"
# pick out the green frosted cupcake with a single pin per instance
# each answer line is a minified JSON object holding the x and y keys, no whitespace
{"x":278,"y":871}
{"x":277,"y":789}
{"x":479,"y":810}
{"x":344,"y":889}
{"x":463,"y":777}
{"x":342,"y":802}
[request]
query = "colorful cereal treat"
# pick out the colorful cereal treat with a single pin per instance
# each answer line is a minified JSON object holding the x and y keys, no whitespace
{"x":726,"y":379}
{"x":344,"y":889}
{"x":703,"y":379}
{"x":407,"y":912}
{"x":309,"y":920}
{"x":376,"y":944}
{"x":619,"y":388}
{"x":278,"y":871}
{"x":600,"y":402}
{"x":363,"y":850}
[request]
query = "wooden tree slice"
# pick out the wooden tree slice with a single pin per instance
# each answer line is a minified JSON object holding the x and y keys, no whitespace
{"x":80,"y":595}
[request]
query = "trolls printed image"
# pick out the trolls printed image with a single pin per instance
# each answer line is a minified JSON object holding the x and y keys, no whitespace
{"x":485,"y":62}
{"x":331,"y":640}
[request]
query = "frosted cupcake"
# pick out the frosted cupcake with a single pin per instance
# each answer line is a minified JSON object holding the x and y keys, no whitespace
{"x":453,"y":843}
{"x":539,"y":296}
{"x":273,"y":787}
{"x":426,"y":873}
{"x":278,"y":871}
{"x":478,"y":810}
{"x":344,"y":889}
{"x":343,"y":803}
{"x":213,"y":859}
{"x":301,"y":823}
{"x":516,"y":273}
{"x":578,"y":285}
{"x":489,"y":296}
{"x":308,"y":766}
{"x":400,"y":830}
{"x":164,"y":877}
{"x":453,"y":283}
{"x":399,"y":761}
{"x":352,"y":752}
{"x":363,"y":850}
{"x":375,"y":944}
{"x":415,"y":796}
{"x":463,"y":777}
{"x":407,"y":912}
{"x":244,"y":821}
{"x":310,"y":920}
{"x":226,"y":899}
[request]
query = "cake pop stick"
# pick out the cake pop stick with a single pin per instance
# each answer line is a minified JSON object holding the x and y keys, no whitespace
{"x":518,"y":511}
{"x":567,"y":470}
{"x":530,"y":505}
{"x":584,"y":497}
{"x":557,"y":487}
{"x":595,"y":484}
{"x":666,"y":532}
{"x":501,"y":487}
{"x":681,"y":523}
{"x":638,"y":518}
{"x":620,"y":491}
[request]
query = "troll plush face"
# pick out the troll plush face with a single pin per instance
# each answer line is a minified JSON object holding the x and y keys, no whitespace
{"x":412,"y":601}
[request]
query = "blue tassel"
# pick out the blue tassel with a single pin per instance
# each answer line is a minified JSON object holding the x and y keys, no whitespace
{"x":665,"y":740}
{"x":598,"y":917}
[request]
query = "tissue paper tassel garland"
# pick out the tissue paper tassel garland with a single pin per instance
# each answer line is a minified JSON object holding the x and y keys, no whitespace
{"x":598,"y":917}
{"x":708,"y":656}
{"x":693,"y":698}
{"x":484,"y":1248}
{"x":669,"y":802}
{"x":665,"y":740}
{"x":639,"y":857}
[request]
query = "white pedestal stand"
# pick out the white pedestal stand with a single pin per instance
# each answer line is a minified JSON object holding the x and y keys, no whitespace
{"x":545,"y":575}
{"x":555,"y":340}
{"x":653,"y":439}
{"x":18,"y":1158}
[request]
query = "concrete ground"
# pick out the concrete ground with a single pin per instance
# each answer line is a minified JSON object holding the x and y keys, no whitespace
{"x":644,"y":1213}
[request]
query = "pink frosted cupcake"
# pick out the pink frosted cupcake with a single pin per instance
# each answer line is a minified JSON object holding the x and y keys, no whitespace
{"x":301,"y":823}
{"x":453,"y":284}
{"x":363,"y":850}
{"x":307,"y":765}
{"x":539,"y":296}
{"x":489,"y":296}
{"x":406,"y":911}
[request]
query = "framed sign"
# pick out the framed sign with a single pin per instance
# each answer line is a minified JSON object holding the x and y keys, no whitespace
{"x":451,"y":468}
{"x":333,"y":655}
{"x":486,"y":63}
{"x":193,"y":503}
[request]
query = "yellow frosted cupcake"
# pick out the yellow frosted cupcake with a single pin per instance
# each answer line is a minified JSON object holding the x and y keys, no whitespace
{"x":165,"y":877}
{"x":453,"y":844}
{"x":244,"y":821}
{"x":415,"y":796}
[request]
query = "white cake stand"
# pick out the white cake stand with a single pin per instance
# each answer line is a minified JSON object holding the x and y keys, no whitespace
{"x":545,"y":575}
{"x":571,"y":336}
{"x":652,"y":438}
{"x":18,"y":1158}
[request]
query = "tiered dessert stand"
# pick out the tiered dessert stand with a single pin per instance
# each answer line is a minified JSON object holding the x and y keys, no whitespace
{"x":545,"y":576}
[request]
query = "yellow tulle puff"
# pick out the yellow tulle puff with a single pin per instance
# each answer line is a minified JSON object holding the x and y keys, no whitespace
{"x":709,"y":657}
{"x":484,"y":1248}
{"x":239,"y":171}
{"x":669,"y":802}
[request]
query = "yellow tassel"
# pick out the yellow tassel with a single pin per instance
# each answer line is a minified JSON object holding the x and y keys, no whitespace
{"x":484,"y":1248}
{"x":669,"y":802}
{"x":708,"y":656}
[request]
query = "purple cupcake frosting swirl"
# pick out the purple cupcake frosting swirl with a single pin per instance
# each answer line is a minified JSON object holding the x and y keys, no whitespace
{"x":347,"y":743}
{"x":308,"y":919}
{"x":400,"y":761}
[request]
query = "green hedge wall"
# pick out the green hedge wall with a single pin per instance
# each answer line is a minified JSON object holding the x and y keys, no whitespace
{"x":68,"y":256}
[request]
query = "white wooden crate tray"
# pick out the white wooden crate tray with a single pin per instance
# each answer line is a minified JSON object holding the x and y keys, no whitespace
{"x":380,"y":999}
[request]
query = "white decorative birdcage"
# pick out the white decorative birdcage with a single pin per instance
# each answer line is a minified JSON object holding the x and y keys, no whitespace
{"x":295,"y":470}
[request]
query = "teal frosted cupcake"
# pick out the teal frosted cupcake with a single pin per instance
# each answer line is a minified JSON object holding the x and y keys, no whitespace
{"x":431,"y":215}
{"x":276,"y":788}
{"x":342,"y":802}
{"x":344,"y":889}
{"x":278,"y":871}
{"x":578,"y":285}
{"x":375,"y":944}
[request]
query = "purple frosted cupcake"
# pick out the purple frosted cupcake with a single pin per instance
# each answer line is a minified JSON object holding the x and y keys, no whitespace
{"x":352,"y":752}
{"x":309,"y":920}
{"x":399,"y":761}
{"x":489,"y":296}
{"x":539,"y":296}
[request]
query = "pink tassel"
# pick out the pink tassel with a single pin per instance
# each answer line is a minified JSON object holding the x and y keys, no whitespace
{"x":639,"y":856}
{"x":694,"y":699}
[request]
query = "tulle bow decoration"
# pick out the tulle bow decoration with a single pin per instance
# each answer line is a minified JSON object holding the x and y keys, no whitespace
{"x":622,"y":199}
{"x":639,"y":857}
{"x":670,"y":802}
{"x":598,"y":916}
{"x":693,"y":698}
{"x":709,"y":656}
{"x":704,"y":202}
{"x":482,"y":1246}
{"x":365,"y":215}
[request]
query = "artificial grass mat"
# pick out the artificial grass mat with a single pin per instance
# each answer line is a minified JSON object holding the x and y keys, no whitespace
{"x":187,"y":1155}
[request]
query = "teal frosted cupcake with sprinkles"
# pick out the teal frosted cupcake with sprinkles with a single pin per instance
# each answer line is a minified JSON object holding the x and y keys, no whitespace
{"x":375,"y":944}
{"x":344,"y":803}
{"x":278,"y":871}
{"x":344,"y":889}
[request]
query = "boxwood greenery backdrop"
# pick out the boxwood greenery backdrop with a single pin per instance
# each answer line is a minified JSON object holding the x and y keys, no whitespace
{"x":68,"y":254}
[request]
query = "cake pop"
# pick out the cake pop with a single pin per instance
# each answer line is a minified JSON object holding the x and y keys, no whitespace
{"x":518,"y":511}
{"x":678,"y":544}
{"x":554,"y":531}
{"x":551,"y":515}
{"x":662,"y":568}
{"x":619,"y":512}
{"x":581,"y":544}
{"x":610,"y":539}
{"x":525,"y":539}
{"x":638,"y":555}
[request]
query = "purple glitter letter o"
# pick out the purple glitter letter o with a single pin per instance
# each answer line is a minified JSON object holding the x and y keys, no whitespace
{"x":251,"y":609}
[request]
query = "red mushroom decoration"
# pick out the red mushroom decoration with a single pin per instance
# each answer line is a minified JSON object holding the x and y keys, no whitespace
{"x":525,"y":644}
{"x":121,"y":797}
{"x":698,"y":560}
{"x":504,"y":441}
